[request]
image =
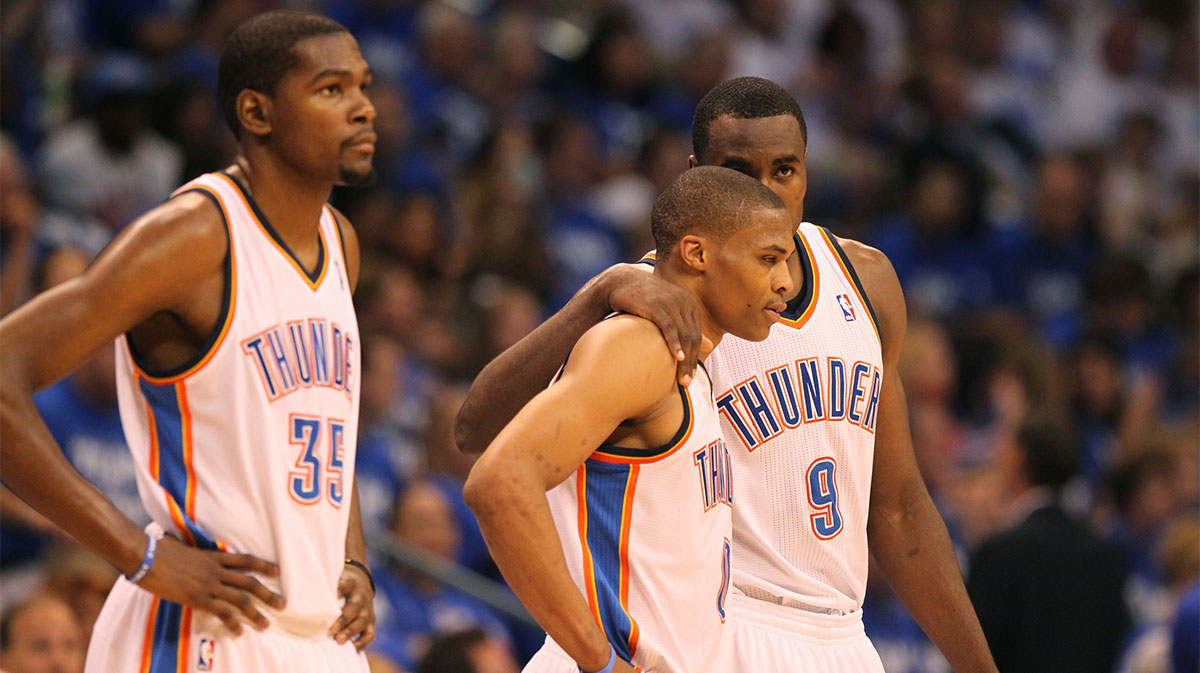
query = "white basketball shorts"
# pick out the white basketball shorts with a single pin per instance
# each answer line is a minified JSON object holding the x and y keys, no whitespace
{"x":770,"y":638}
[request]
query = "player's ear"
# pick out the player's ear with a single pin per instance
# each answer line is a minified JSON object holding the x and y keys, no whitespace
{"x":254,"y":112}
{"x":693,"y":252}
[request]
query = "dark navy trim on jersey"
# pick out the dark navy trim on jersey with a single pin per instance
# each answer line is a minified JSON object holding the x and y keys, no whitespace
{"x":853,"y":274}
{"x":337,"y":226}
{"x":314,"y":274}
{"x":226,"y":301}
{"x":654,"y":452}
{"x":800,"y":303}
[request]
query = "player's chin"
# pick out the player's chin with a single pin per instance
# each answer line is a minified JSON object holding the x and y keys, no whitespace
{"x":755,"y":330}
{"x":359,"y":174}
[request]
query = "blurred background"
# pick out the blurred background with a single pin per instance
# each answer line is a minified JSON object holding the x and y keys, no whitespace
{"x":1031,"y":168}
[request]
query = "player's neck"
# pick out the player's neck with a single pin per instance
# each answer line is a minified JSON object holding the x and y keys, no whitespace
{"x":666,"y":270}
{"x":292,"y":203}
{"x":710,"y":333}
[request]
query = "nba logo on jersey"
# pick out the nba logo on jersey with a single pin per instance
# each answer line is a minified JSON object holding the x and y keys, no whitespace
{"x":206,"y":655}
{"x":847,"y":308}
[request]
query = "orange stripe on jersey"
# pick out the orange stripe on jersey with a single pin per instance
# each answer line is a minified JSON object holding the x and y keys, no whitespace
{"x":589,"y":574}
{"x":314,"y":284}
{"x":185,"y":641}
{"x":799,"y":321}
{"x":623,"y":550}
{"x":228,"y":312}
{"x":189,"y":504}
{"x":177,"y":518}
{"x":148,"y":639}
{"x":152,"y":427}
{"x":862,"y":301}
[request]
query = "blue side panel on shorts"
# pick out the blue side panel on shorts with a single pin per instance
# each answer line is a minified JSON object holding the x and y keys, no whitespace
{"x":605,"y":495}
{"x":164,"y":648}
{"x":172,"y":470}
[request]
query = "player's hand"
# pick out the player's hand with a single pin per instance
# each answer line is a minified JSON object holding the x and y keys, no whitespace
{"x":673,"y":309}
{"x":213,"y":581}
{"x":357,"y":622}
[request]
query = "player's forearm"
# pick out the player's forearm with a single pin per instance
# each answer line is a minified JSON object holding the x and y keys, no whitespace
{"x":356,"y":546}
{"x":517,"y":525}
{"x":525,"y":369}
{"x":913,"y":549}
{"x":38,"y":473}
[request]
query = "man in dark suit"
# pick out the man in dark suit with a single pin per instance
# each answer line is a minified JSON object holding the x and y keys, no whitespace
{"x":1048,"y":591}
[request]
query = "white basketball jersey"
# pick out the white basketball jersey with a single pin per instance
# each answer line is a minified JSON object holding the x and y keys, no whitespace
{"x":798,"y":412}
{"x":646,"y":534}
{"x":250,"y":447}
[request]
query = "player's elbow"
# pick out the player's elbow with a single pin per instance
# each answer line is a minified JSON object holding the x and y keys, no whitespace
{"x":465,"y":432}
{"x":484,"y":489}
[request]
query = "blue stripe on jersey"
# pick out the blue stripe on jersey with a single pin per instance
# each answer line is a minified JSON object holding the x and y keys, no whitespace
{"x":164,"y":646}
{"x":172,"y":467}
{"x":605,"y":500}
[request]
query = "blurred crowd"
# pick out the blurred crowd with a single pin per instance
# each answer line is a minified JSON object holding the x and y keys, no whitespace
{"x":1030,"y":167}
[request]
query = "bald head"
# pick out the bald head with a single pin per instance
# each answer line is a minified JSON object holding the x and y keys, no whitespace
{"x":707,"y":200}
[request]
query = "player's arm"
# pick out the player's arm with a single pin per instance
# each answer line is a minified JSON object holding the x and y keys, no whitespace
{"x":357,"y":620}
{"x":356,"y":586}
{"x":155,"y":265}
{"x":519,"y":373}
{"x":621,"y":369}
{"x":904,"y":531}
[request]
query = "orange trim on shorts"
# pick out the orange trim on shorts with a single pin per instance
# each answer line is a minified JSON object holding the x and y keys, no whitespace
{"x":148,"y":639}
{"x":589,"y":575}
{"x":313,"y":284}
{"x":228,"y":312}
{"x":623,"y":552}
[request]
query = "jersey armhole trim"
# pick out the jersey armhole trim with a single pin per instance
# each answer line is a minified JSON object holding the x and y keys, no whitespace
{"x":852,"y":275}
{"x":337,"y":226}
{"x":228,"y":303}
{"x":609,"y":453}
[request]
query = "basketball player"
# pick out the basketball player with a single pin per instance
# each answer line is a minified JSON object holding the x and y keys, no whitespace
{"x":815,"y":419}
{"x":237,"y":367}
{"x":626,"y":560}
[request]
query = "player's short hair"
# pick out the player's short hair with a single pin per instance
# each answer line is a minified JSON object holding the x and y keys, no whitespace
{"x":260,"y":52}
{"x":742,"y":98}
{"x":707,"y":199}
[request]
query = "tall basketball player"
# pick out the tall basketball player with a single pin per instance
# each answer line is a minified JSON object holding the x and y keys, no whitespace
{"x":626,"y":559}
{"x":237,"y":357}
{"x":814,"y":417}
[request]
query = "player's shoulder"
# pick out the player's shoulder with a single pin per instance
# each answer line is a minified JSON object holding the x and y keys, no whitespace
{"x":876,"y":272}
{"x":189,"y":223}
{"x":625,"y":345}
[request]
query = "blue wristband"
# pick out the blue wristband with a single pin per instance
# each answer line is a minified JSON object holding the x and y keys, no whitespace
{"x":147,"y":559}
{"x":612,"y":662}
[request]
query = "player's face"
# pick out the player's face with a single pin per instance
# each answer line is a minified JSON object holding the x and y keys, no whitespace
{"x":322,"y":115}
{"x":770,"y":150}
{"x":747,"y":277}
